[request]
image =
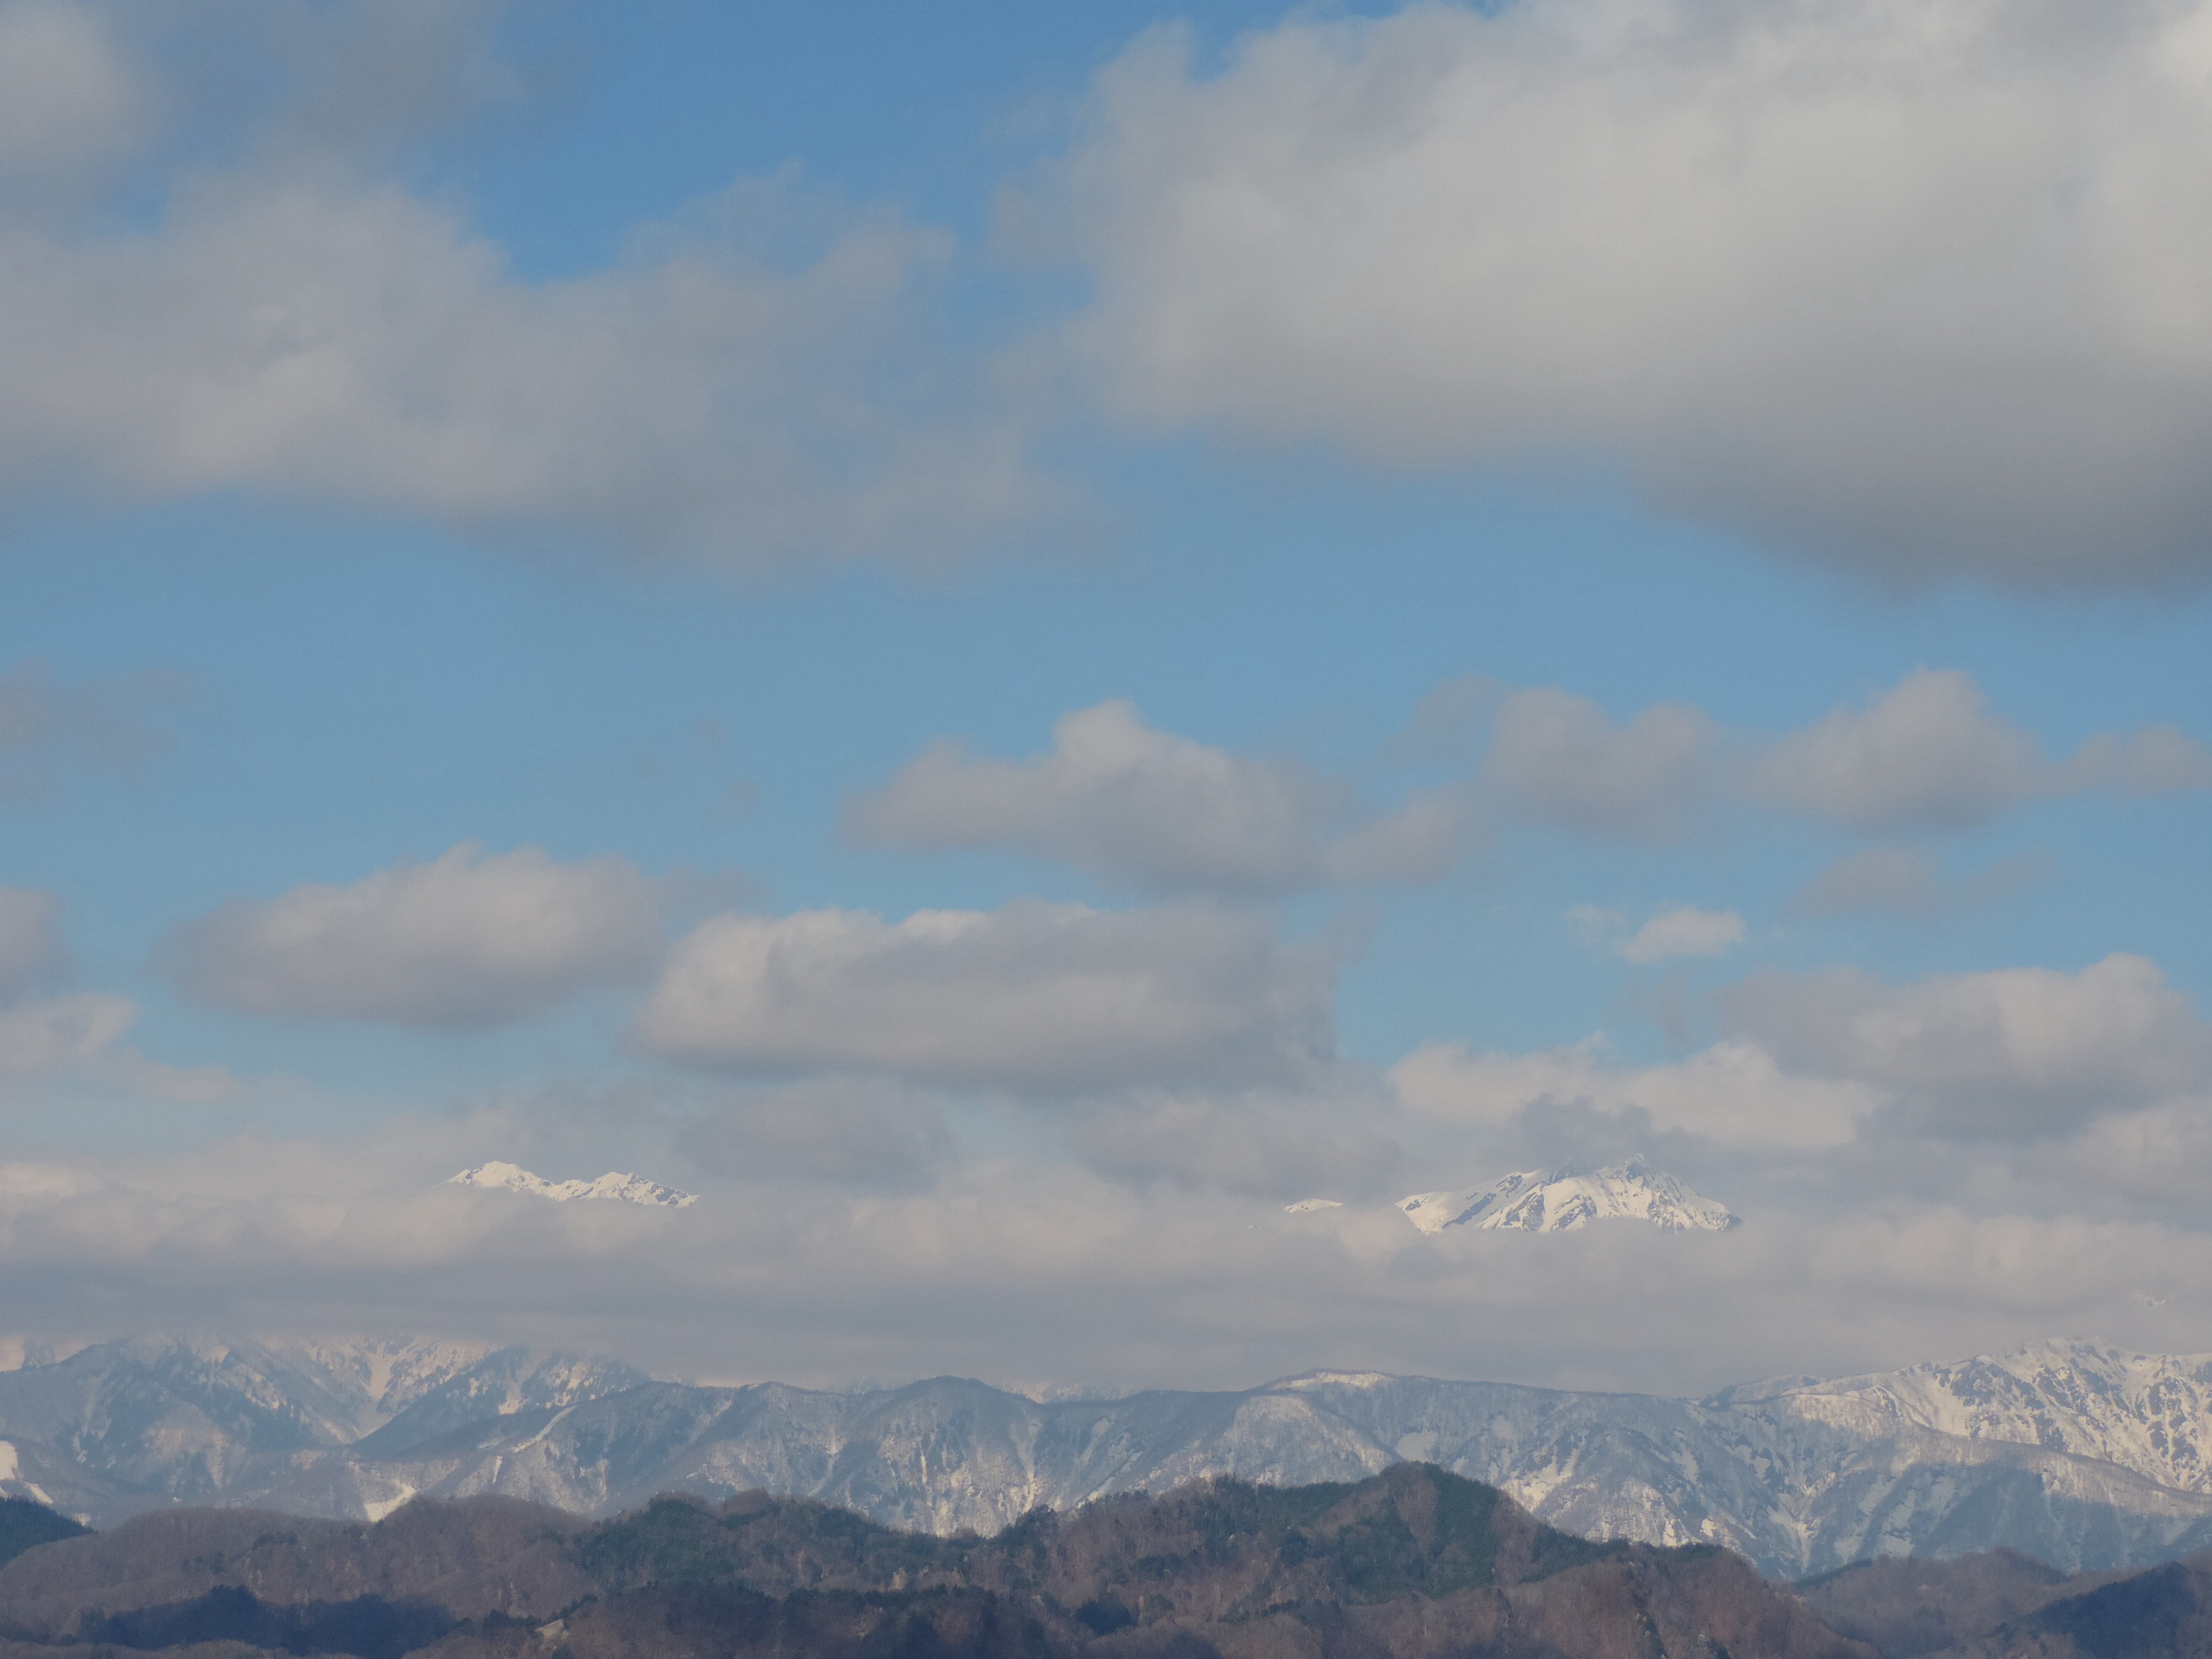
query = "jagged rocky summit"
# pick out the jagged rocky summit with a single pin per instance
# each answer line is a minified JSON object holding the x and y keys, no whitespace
{"x":2079,"y":1454}
{"x":1563,"y":1201}
{"x":624,"y":1188}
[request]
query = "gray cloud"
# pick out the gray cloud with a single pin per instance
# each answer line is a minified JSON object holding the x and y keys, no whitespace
{"x":1734,"y":1094}
{"x":49,"y":731}
{"x":1051,"y":997}
{"x":1557,"y":757}
{"x":468,"y":939}
{"x":1906,"y":881}
{"x":1119,"y":798}
{"x":61,"y":1033}
{"x":1927,"y":754}
{"x":1334,"y":1143}
{"x":861,"y":1130}
{"x":30,"y":950}
{"x":2158,"y":760}
{"x":70,"y":101}
{"x":1666,"y":935}
{"x":2016,"y":1052}
{"x":1914,"y":289}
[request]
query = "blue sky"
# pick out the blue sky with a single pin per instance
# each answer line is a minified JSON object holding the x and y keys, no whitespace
{"x":1437,"y":589}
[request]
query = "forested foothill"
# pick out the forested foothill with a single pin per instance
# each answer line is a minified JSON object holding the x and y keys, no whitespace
{"x":1412,"y":1563}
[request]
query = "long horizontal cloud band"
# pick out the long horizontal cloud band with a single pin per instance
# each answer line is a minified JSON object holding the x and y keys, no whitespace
{"x":1079,"y":1275}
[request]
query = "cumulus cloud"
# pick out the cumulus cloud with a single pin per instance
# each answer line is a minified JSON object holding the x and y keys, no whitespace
{"x":1116,"y":797}
{"x":469,"y":940}
{"x":2014,"y":1051}
{"x":1557,"y":757}
{"x":747,"y":386}
{"x":1927,"y":755}
{"x":30,"y":940}
{"x":1665,"y":936}
{"x":864,"y":1130}
{"x":1051,"y":997}
{"x":1919,"y":288}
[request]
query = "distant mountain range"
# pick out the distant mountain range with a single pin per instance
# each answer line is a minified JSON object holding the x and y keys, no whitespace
{"x":2078,"y":1455}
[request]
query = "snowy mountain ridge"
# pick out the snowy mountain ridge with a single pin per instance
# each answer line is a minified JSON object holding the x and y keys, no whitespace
{"x":1563,"y":1201}
{"x":2148,"y":1413}
{"x":626,"y":1189}
{"x":2080,"y":1453}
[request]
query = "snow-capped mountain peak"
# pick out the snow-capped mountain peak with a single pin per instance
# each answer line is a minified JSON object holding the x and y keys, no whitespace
{"x":628,"y":1189}
{"x":1562,"y":1201}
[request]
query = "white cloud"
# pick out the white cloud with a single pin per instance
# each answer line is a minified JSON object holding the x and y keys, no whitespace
{"x":1733,"y":1092}
{"x":2016,"y":1051}
{"x":1557,"y":757}
{"x":1119,"y":798}
{"x":469,"y":939}
{"x":1038,"y":996}
{"x":1919,"y":287}
{"x":1665,"y":936}
{"x":30,"y":940}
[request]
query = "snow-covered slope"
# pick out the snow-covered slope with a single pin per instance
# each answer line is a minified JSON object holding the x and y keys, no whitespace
{"x":2149,"y":1413}
{"x":625,"y":1189}
{"x":1560,"y":1201}
{"x":119,"y":1427}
